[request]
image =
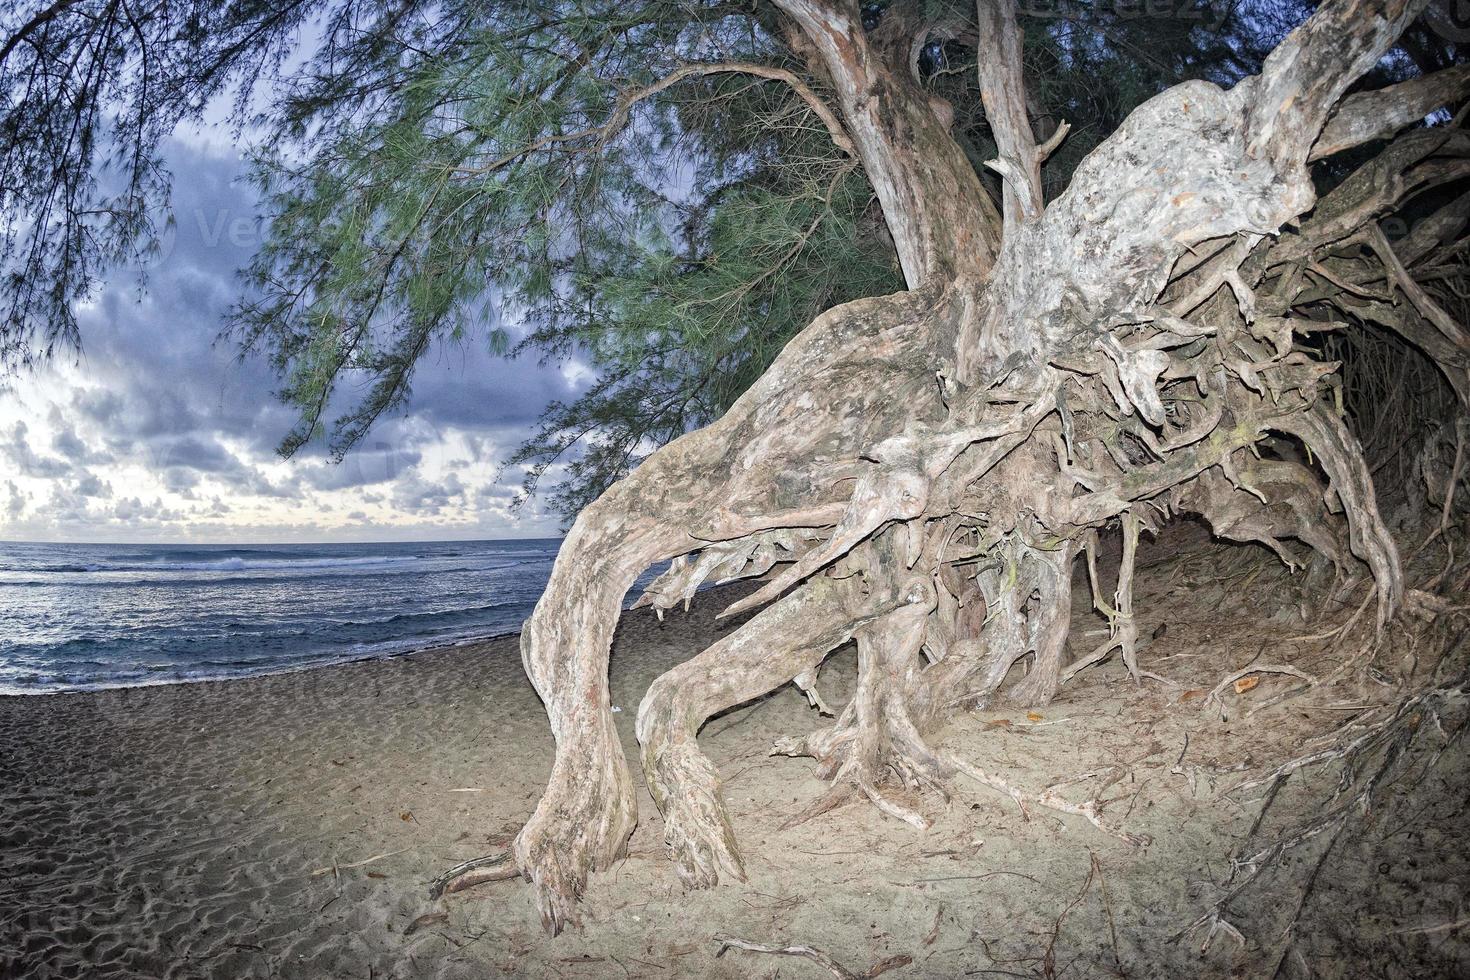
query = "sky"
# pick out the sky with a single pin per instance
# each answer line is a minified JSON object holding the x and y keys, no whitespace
{"x":159,"y":432}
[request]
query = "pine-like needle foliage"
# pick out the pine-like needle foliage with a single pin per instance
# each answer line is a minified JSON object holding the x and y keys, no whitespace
{"x":641,"y":187}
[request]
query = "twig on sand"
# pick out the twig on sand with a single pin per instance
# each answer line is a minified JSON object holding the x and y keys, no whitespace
{"x":1049,"y":799}
{"x":1049,"y":957}
{"x":816,"y":956}
{"x":334,"y":868}
{"x":1430,"y":930}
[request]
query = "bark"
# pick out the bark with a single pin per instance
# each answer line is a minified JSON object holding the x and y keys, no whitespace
{"x":942,"y":221}
{"x":917,"y":473}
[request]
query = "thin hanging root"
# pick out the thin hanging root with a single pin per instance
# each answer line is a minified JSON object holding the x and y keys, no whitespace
{"x":1049,"y":799}
{"x":1122,"y":628}
{"x":1125,"y":630}
{"x":839,"y":971}
{"x":491,"y":867}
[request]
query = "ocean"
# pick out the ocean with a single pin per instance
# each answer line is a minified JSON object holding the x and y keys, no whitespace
{"x":83,"y":617}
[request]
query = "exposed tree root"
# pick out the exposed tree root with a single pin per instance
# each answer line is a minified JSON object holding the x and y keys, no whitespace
{"x":918,"y":472}
{"x":1051,"y":800}
{"x":1372,"y":752}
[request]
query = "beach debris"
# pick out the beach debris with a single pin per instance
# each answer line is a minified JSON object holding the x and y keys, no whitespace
{"x":839,"y":971}
{"x":491,"y":867}
{"x":334,"y":868}
{"x":427,"y":919}
{"x":933,"y":932}
{"x":1247,"y":683}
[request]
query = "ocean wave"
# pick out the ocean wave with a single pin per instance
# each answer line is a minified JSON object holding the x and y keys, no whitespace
{"x":233,"y":563}
{"x":35,"y":578}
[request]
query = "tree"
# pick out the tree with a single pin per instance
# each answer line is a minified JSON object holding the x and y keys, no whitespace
{"x":915,"y":472}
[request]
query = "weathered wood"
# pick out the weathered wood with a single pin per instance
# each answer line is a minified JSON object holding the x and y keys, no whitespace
{"x":918,"y":472}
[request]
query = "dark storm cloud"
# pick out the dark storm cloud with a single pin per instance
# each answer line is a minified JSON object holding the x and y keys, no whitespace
{"x":69,"y":446}
{"x":91,"y":485}
{"x":424,"y":497}
{"x":200,"y":454}
{"x":381,"y":462}
{"x":15,"y":445}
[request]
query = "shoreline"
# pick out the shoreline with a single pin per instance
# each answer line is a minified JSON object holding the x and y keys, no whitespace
{"x":11,"y":692}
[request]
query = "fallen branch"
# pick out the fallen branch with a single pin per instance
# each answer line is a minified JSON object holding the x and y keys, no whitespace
{"x":816,"y":956}
{"x":476,"y":871}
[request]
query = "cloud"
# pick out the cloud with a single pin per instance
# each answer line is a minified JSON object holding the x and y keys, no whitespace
{"x":383,"y":463}
{"x":160,"y":426}
{"x":91,"y":485}
{"x":17,"y":447}
{"x":70,"y":447}
{"x":15,"y":503}
{"x":419,"y":496}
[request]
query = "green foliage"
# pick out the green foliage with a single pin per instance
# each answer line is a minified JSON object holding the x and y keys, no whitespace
{"x":520,"y":175}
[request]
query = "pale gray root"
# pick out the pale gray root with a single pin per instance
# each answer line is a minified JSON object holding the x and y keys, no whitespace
{"x":725,"y":561}
{"x":1050,"y":799}
{"x":1337,"y":449}
{"x":876,"y":740}
{"x":583,"y":820}
{"x":1293,"y":507}
{"x":1367,"y":116}
{"x":1049,"y":620}
{"x":1124,"y":627}
{"x":860,"y":353}
{"x":782,"y":641}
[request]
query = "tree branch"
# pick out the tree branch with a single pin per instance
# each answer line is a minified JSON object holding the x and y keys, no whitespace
{"x":1303,"y":79}
{"x":941,"y":217}
{"x":628,"y":99}
{"x":1367,"y":116}
{"x":1003,"y":91}
{"x":35,"y":23}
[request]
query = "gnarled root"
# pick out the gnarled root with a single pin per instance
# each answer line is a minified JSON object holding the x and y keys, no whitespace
{"x":925,"y":466}
{"x":588,"y":811}
{"x":779,"y":643}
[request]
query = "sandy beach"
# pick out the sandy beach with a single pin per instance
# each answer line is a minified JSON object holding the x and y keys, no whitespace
{"x":287,"y":826}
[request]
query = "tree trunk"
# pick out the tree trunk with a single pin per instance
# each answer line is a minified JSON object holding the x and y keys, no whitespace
{"x":918,"y":472}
